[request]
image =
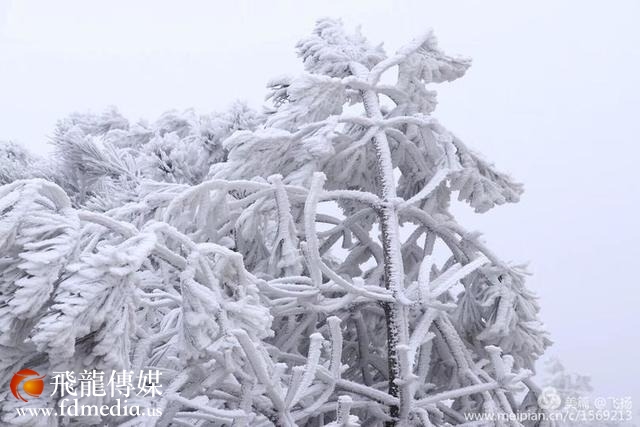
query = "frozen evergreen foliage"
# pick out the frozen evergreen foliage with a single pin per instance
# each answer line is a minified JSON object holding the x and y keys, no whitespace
{"x":294,"y":267}
{"x":15,"y":162}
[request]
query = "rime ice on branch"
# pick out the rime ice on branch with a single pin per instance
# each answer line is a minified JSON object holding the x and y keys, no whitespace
{"x":297,"y":267}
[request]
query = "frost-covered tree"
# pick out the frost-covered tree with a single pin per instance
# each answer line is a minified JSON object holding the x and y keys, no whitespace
{"x":15,"y":162}
{"x":575,"y":403}
{"x":297,"y":267}
{"x":567,"y":384}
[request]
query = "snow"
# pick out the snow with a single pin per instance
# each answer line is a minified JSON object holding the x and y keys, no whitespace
{"x":195,"y":245}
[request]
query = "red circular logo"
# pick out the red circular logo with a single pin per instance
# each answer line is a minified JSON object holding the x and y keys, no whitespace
{"x":31,"y":381}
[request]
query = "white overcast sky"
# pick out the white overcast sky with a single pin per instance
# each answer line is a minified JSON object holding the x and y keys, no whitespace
{"x":553,"y":97}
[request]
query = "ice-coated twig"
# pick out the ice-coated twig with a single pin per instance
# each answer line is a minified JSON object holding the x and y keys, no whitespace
{"x":312,"y":245}
{"x":436,"y":180}
{"x":401,"y":56}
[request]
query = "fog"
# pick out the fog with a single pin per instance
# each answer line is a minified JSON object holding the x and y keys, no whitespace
{"x":553,"y":97}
